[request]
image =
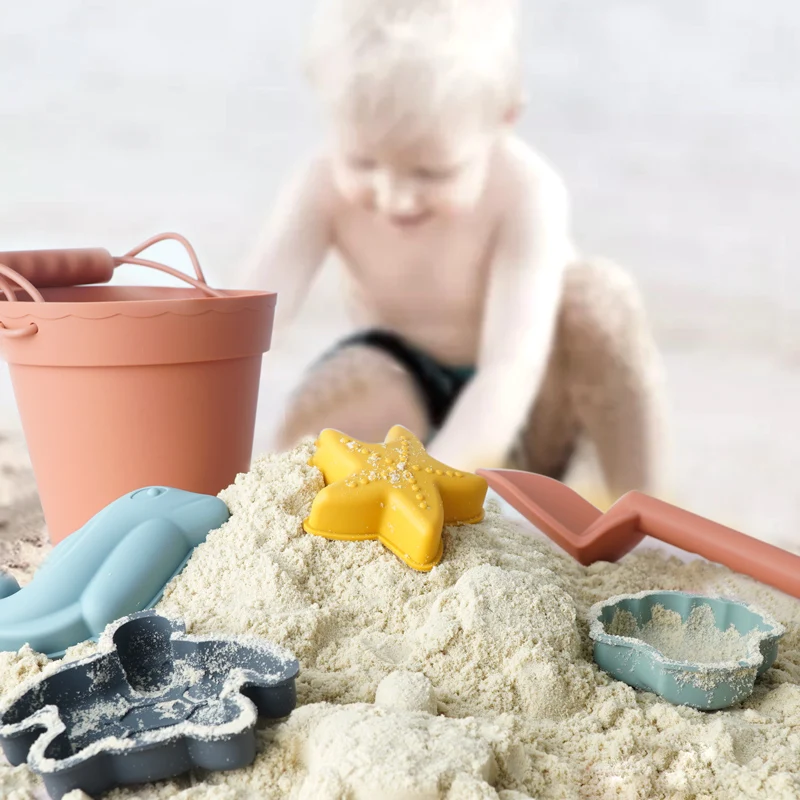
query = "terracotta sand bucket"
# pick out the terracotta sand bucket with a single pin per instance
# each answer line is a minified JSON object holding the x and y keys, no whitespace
{"x":120,"y":387}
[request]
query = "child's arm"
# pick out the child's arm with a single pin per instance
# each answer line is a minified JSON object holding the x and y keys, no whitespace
{"x":523,"y":300}
{"x":294,"y":243}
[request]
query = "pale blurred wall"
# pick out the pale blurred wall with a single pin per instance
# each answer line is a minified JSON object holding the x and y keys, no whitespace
{"x":674,"y":123}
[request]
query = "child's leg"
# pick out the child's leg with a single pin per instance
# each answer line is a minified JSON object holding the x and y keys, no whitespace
{"x":605,"y":379}
{"x":358,"y":390}
{"x":551,"y":435}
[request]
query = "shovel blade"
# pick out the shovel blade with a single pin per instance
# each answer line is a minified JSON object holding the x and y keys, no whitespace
{"x":558,"y":511}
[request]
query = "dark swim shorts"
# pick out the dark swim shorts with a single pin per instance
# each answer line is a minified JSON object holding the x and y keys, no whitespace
{"x":439,"y":385}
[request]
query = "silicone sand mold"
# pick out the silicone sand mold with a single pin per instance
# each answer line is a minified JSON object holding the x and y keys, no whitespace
{"x":707,"y":686}
{"x":394,"y":492}
{"x":153,"y":703}
{"x":118,"y":563}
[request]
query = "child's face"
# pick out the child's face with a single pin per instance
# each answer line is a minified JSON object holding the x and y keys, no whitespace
{"x":411,"y":181}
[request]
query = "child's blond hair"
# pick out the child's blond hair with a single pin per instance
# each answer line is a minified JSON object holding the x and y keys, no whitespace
{"x":412,"y":62}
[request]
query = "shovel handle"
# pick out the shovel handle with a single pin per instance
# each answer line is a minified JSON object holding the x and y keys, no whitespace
{"x":48,"y":269}
{"x":715,"y":542}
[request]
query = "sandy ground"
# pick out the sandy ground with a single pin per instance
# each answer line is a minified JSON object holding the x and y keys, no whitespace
{"x":674,"y":124}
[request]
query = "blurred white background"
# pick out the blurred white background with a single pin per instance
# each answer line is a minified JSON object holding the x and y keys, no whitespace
{"x":675,"y":125}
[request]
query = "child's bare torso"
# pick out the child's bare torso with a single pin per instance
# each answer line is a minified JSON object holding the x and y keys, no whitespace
{"x":425,"y":283}
{"x":428,"y":282}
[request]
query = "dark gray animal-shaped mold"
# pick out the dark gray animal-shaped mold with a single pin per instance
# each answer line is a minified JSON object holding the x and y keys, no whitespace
{"x":151,"y":704}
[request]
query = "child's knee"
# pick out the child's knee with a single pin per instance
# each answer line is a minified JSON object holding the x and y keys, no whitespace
{"x":601,"y":295}
{"x":358,"y":390}
{"x":603,"y":328}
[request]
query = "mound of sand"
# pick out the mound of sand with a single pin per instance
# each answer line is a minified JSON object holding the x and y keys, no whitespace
{"x":472,"y":681}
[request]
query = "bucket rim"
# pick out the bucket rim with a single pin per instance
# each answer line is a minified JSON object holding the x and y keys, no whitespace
{"x":234,"y":301}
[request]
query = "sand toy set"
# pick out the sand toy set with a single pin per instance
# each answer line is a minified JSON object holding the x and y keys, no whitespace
{"x":138,"y":405}
{"x":154,"y":703}
{"x":634,"y":635}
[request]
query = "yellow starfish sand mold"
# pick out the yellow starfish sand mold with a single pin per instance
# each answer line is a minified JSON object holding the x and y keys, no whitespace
{"x":394,"y":492}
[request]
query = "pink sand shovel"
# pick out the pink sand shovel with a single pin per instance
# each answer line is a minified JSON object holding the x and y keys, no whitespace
{"x":589,"y":535}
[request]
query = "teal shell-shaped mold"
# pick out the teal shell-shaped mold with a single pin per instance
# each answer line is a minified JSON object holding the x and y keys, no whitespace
{"x":704,"y":686}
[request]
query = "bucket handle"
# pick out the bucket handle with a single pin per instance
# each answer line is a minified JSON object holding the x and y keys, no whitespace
{"x":5,"y":288}
{"x":131,"y":257}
